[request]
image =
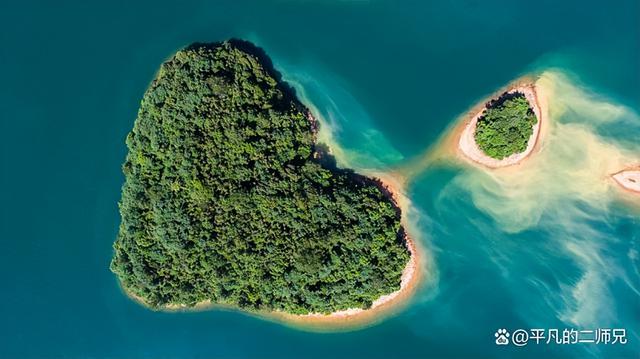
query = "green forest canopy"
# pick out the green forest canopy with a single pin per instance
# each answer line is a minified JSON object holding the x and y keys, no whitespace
{"x":224,"y":200}
{"x":506,"y":126}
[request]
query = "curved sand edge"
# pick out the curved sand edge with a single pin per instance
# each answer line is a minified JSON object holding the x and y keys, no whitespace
{"x":466,"y":145}
{"x":628,"y":179}
{"x":348,"y":318}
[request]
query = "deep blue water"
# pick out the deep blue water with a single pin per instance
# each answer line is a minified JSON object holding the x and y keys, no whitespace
{"x":389,"y":77}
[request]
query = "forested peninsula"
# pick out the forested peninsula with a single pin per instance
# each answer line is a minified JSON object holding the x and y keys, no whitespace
{"x":228,"y":200}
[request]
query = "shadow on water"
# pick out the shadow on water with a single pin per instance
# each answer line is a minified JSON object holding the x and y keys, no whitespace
{"x":327,"y":160}
{"x":250,"y":48}
{"x":504,"y":97}
{"x":322,"y":154}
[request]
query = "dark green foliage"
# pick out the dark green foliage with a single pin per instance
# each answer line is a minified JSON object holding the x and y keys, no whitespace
{"x":506,"y":126}
{"x":223,"y":199}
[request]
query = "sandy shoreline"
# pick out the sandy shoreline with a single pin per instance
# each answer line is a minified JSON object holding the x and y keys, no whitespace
{"x":628,"y":179}
{"x":466,"y":146}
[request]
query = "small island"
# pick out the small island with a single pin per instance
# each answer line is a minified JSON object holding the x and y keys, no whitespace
{"x":629,"y":179}
{"x":228,"y":200}
{"x":505,"y":130}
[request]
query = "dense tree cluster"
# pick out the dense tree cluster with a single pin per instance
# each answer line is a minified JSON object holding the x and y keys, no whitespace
{"x":224,"y":200}
{"x":506,"y":126}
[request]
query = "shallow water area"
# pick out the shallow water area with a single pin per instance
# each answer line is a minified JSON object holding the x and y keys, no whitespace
{"x":553,"y":243}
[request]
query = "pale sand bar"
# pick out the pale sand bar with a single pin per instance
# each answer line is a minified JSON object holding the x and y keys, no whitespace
{"x":629,"y":179}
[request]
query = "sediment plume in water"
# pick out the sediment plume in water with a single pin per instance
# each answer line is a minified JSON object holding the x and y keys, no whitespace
{"x":573,"y":161}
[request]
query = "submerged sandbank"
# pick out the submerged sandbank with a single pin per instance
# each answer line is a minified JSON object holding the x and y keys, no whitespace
{"x":574,"y":165}
{"x":457,"y":141}
{"x":465,"y":134}
{"x":628,"y":179}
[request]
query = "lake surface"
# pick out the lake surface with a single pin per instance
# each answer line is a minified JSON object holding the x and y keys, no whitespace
{"x":554,"y":247}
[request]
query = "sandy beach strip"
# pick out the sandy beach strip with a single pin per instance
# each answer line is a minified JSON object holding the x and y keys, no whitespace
{"x":466,"y":144}
{"x":628,"y":179}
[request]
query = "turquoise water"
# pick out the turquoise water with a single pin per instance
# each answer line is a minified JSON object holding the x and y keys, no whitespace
{"x":561,"y":250}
